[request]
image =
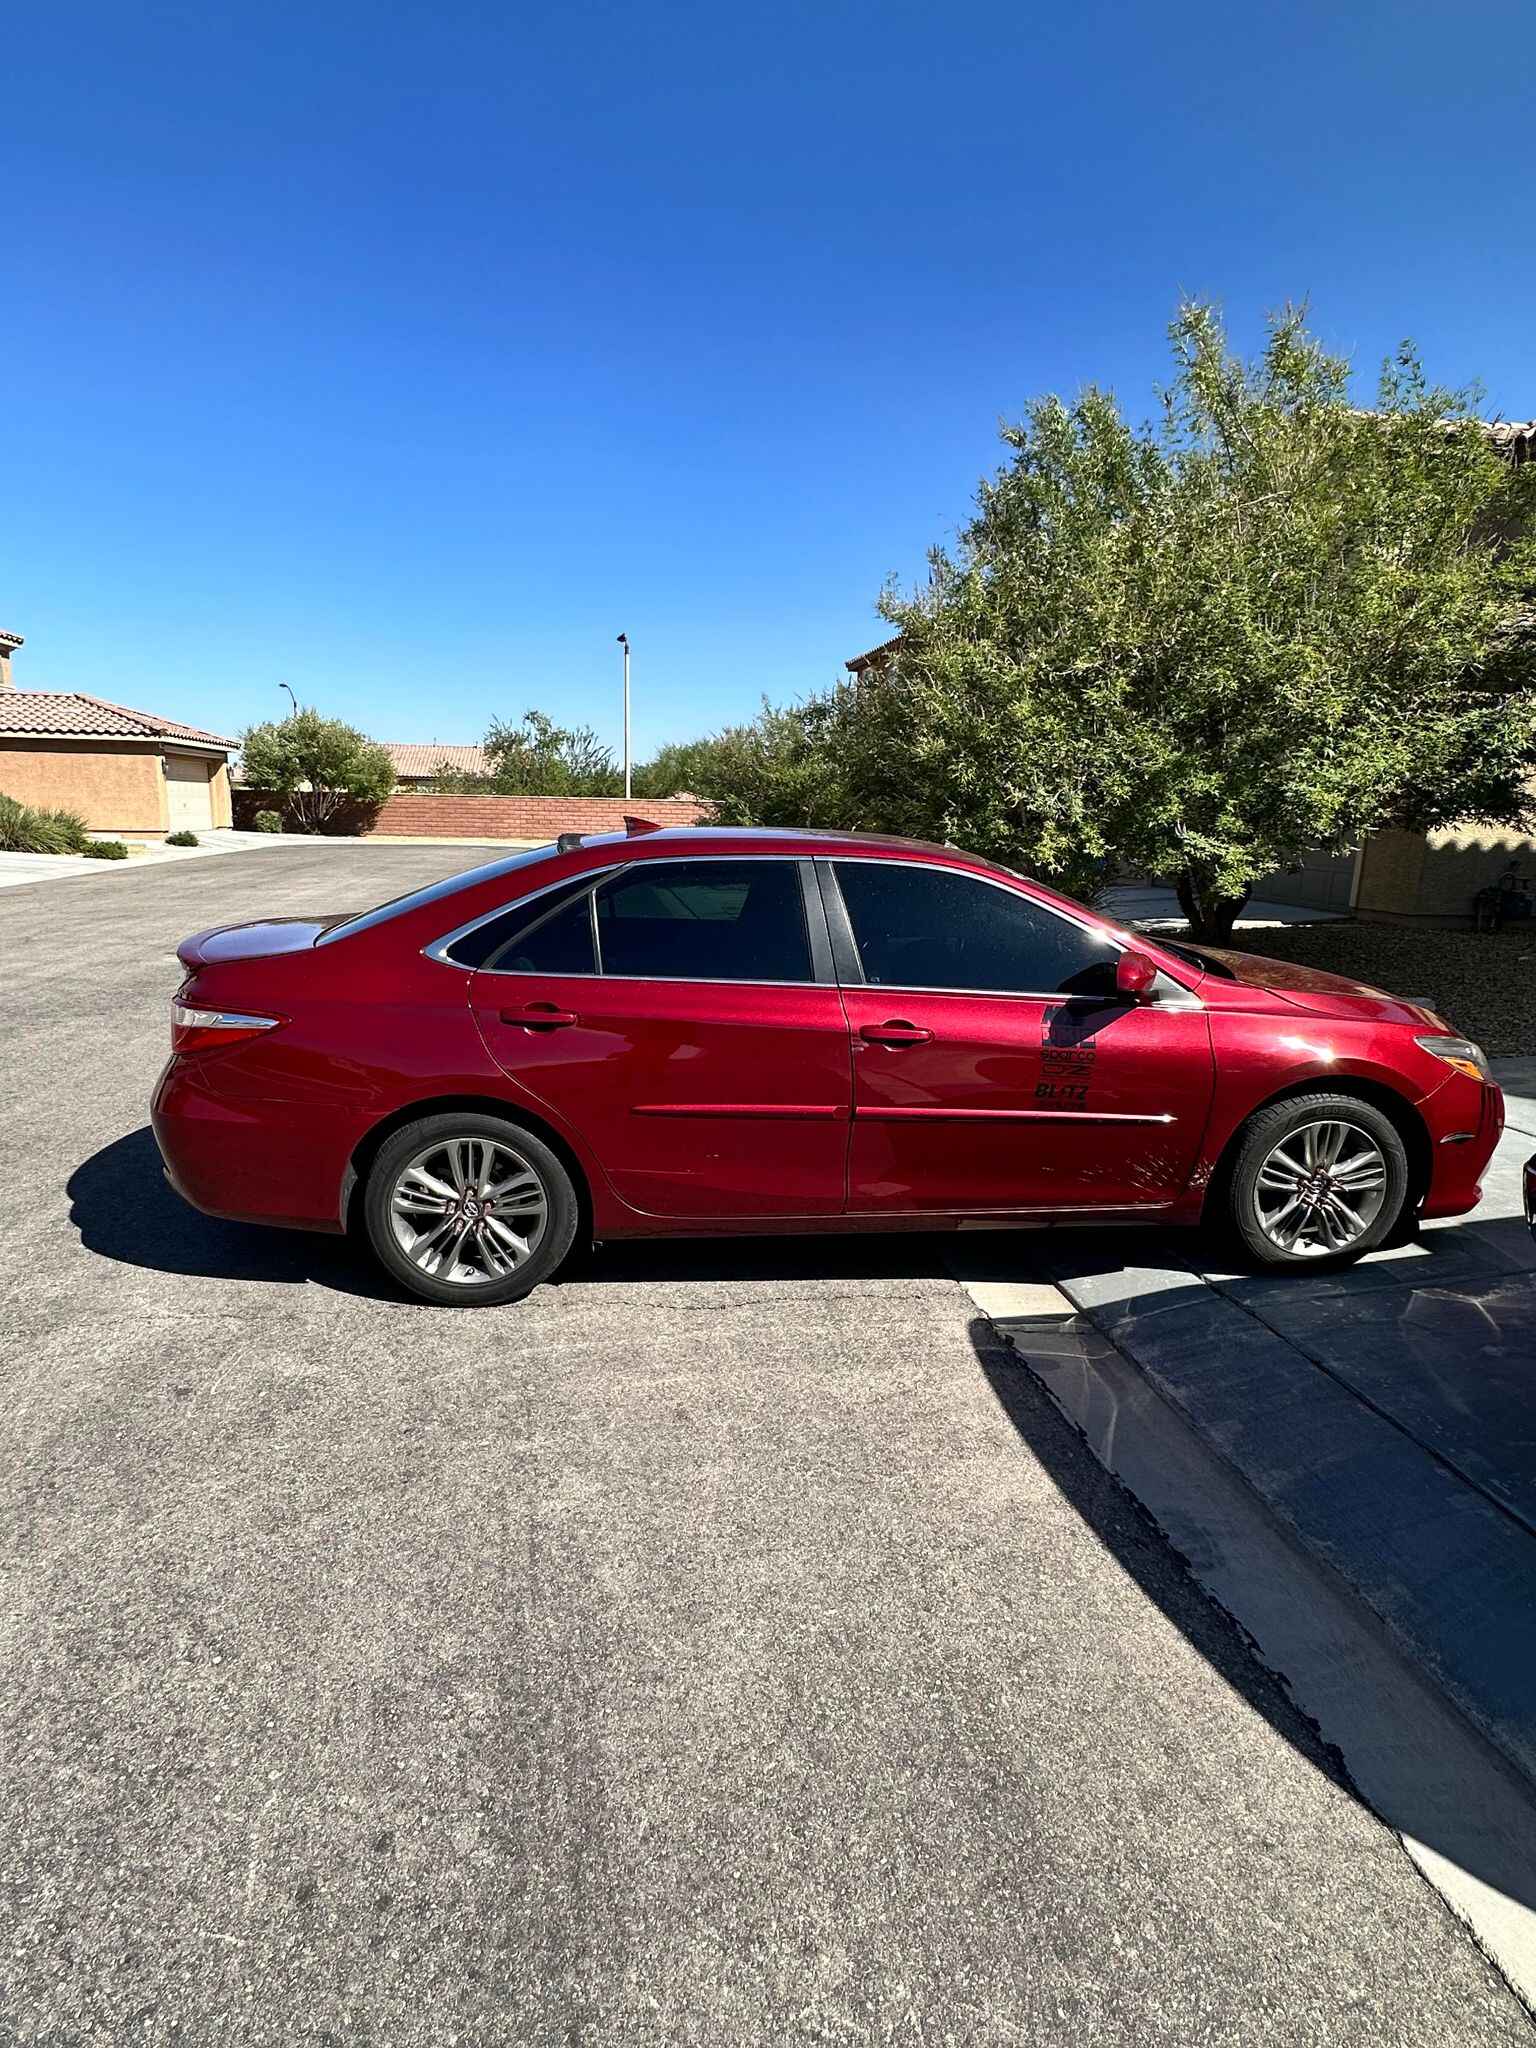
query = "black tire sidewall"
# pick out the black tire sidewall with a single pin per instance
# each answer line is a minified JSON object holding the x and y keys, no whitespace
{"x":559,"y":1230}
{"x":1266,"y":1130}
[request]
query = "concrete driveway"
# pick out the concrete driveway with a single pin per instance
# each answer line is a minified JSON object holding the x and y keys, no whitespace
{"x":729,"y":1644}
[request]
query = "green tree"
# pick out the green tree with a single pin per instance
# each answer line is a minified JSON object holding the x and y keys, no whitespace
{"x":1269,"y":623}
{"x":536,"y":757}
{"x":771,"y":772}
{"x":320,"y":766}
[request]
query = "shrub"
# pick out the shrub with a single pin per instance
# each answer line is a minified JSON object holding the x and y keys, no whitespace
{"x":182,"y":839}
{"x":67,"y":829}
{"x":23,"y":830}
{"x":12,"y":822}
{"x":268,"y":821}
{"x":105,"y":849}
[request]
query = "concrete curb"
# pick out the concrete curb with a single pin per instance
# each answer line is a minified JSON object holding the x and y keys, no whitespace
{"x":1446,"y":1571}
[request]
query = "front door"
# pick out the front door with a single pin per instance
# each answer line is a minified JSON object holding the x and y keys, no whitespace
{"x":681,"y":1015}
{"x":994,"y":1066}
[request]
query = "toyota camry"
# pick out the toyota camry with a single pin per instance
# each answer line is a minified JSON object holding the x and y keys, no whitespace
{"x":712,"y":1031}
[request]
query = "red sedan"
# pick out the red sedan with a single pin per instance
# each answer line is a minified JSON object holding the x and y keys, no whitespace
{"x":677,"y":1033}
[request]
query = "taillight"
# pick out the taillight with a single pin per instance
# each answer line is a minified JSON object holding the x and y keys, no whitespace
{"x":200,"y":1030}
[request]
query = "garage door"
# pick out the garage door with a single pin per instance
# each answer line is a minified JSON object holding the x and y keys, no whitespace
{"x":189,"y":796}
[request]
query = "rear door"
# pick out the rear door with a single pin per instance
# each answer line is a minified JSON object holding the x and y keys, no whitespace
{"x":995,"y":1068}
{"x":683,"y":1016}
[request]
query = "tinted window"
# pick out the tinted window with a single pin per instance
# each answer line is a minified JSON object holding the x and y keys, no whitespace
{"x":928,"y":928}
{"x":718,"y":920}
{"x":550,"y":936}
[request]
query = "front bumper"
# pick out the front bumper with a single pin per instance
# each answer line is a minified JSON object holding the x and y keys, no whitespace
{"x":1465,"y":1120}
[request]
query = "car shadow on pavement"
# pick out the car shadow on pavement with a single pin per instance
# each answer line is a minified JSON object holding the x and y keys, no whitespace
{"x":124,"y":1209}
{"x":1119,"y":1522}
{"x":1435,"y":1800}
{"x":1154,"y":1289}
{"x":835,"y":1256}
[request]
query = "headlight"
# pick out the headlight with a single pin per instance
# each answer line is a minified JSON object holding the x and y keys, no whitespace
{"x":1459,"y":1053}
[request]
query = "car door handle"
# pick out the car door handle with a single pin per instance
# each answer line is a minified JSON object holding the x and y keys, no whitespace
{"x":897,"y":1032}
{"x":540,"y":1016}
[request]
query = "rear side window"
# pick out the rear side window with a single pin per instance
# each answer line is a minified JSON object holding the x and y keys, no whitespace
{"x":717,"y":920}
{"x":936,"y":928}
{"x":552,"y":935}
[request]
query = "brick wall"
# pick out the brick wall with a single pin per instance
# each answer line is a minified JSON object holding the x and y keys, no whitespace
{"x":536,"y":818}
{"x":523,"y":817}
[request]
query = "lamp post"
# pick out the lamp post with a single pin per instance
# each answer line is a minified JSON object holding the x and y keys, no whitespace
{"x":624,"y":643}
{"x":291,"y":697}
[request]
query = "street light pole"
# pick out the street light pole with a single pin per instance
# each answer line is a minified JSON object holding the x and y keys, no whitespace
{"x":291,"y":697}
{"x":624,"y":643}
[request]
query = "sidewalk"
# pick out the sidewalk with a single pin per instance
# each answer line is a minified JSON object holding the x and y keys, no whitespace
{"x":16,"y":868}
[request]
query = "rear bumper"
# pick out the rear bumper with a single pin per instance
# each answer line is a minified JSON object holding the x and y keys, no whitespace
{"x":268,"y":1162}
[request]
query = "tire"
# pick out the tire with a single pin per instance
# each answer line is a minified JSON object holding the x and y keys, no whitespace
{"x":1318,"y":1181}
{"x":469,"y":1210}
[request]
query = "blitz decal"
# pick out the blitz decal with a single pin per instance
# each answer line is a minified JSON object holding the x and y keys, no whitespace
{"x":1067,"y":1054}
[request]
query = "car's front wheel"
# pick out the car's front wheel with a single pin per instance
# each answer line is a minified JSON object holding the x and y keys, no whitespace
{"x":1319,"y":1180}
{"x":468,"y":1210}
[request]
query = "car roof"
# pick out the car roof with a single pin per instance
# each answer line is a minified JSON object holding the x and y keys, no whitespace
{"x":683,"y":839}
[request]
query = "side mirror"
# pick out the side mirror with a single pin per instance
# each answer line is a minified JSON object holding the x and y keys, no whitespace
{"x":1135,"y":974}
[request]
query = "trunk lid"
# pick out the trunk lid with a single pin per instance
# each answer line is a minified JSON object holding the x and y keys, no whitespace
{"x":261,"y":938}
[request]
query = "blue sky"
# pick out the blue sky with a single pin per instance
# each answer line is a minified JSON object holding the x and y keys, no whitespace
{"x":406,"y":354}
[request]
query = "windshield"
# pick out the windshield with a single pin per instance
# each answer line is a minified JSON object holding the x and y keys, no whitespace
{"x":1194,"y":955}
{"x":434,"y":892}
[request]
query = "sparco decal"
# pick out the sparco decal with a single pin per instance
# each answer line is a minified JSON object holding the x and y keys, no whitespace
{"x":1067,"y":1054}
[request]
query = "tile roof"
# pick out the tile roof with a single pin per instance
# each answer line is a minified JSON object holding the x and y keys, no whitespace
{"x":874,"y":657}
{"x":71,"y":714}
{"x":411,"y":758}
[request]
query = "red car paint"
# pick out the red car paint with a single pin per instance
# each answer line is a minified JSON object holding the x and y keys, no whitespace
{"x":692,"y":1107}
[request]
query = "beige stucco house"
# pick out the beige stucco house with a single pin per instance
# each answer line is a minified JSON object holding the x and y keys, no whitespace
{"x":123,"y":771}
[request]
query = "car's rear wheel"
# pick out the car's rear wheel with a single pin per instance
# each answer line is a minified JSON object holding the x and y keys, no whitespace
{"x":469,"y":1210}
{"x":1319,"y":1181}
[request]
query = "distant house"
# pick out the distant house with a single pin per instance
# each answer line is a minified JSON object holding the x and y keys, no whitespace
{"x":420,"y":766}
{"x":874,"y":659}
{"x":121,"y":770}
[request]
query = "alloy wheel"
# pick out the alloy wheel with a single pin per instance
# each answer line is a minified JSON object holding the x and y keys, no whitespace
{"x":468,"y":1210}
{"x":1320,"y":1188}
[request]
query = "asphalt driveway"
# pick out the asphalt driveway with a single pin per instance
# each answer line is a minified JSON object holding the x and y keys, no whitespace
{"x":728,"y":1644}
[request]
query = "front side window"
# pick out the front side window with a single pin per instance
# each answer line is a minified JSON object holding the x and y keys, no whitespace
{"x":715,"y":920}
{"x":937,"y":928}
